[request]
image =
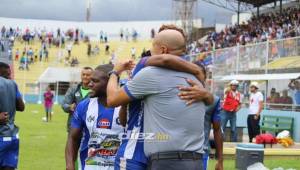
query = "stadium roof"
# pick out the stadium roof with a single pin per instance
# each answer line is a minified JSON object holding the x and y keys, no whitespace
{"x":257,"y":3}
{"x":282,"y":76}
{"x":245,"y":5}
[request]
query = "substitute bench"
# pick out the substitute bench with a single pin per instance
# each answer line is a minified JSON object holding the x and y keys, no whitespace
{"x":277,"y":124}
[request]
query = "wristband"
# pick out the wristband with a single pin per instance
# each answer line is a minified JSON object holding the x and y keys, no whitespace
{"x":115,"y":73}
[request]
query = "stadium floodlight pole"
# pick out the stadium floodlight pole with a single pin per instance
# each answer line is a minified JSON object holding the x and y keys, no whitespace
{"x":40,"y":93}
{"x":56,"y":93}
{"x":237,"y":58}
{"x":88,"y":10}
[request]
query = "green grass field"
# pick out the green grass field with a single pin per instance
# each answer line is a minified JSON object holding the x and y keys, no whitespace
{"x":42,"y":144}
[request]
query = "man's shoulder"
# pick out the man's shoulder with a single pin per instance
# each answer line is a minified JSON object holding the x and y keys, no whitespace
{"x":259,"y":94}
{"x":4,"y":81}
{"x":75,"y":87}
{"x":82,"y":105}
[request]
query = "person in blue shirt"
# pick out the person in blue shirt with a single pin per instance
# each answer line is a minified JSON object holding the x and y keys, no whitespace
{"x":100,"y":125}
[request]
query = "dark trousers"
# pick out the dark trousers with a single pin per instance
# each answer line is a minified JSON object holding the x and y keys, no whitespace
{"x":183,"y":163}
{"x":176,"y":164}
{"x":253,"y":127}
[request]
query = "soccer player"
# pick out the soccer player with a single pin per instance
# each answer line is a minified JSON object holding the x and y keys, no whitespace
{"x":100,"y":124}
{"x":9,"y":137}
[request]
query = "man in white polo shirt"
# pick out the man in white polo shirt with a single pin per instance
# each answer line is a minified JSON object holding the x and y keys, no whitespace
{"x":255,"y":108}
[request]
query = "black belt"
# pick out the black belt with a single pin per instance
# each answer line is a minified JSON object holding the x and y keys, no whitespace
{"x":175,"y":155}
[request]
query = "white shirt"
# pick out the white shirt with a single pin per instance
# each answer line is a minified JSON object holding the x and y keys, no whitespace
{"x":255,"y":98}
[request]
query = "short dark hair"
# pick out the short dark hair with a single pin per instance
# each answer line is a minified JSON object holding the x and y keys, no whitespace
{"x":4,"y":65}
{"x":105,"y":68}
{"x":87,"y":68}
{"x":172,"y":27}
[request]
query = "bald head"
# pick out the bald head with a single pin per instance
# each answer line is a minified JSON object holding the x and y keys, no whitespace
{"x":169,"y":42}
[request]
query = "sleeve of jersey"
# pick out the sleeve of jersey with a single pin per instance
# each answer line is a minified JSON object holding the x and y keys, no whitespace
{"x":18,"y":93}
{"x":216,"y":114}
{"x":143,"y":84}
{"x":141,"y":64}
{"x":77,"y":118}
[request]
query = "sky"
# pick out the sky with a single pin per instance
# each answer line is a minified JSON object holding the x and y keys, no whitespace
{"x":106,"y":10}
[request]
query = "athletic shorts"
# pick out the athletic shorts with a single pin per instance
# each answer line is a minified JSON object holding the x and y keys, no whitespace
{"x":9,"y":152}
{"x":205,"y":161}
{"x":128,"y":164}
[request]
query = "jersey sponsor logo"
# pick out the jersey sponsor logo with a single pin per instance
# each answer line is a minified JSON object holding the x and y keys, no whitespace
{"x":104,"y":123}
{"x":91,"y":118}
{"x":118,"y":121}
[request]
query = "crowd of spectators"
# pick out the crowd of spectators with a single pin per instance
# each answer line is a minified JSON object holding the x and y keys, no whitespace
{"x":270,"y":26}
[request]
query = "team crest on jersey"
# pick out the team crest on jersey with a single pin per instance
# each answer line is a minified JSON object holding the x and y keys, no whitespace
{"x":103,"y":123}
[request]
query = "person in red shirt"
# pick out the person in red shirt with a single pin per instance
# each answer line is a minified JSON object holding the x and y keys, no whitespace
{"x":231,"y":104}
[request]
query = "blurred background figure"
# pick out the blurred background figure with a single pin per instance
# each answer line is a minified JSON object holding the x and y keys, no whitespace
{"x":48,"y":103}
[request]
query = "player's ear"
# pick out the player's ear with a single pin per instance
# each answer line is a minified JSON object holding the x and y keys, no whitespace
{"x":164,"y":50}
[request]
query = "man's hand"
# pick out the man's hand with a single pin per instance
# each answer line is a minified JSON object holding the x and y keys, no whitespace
{"x":124,"y":66}
{"x":200,"y":76}
{"x":256,"y":116}
{"x":3,"y":117}
{"x":194,"y":93}
{"x":219,"y":165}
{"x":72,"y":107}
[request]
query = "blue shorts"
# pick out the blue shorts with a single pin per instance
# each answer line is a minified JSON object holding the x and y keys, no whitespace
{"x":205,"y":160}
{"x":9,"y":152}
{"x":128,"y":164}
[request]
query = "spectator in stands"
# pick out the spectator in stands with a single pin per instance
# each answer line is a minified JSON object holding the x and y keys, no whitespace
{"x":74,"y":62}
{"x":46,"y":55}
{"x":113,"y":57}
{"x":48,"y":103}
{"x":133,"y":53}
{"x":17,"y":55}
{"x":152,"y":33}
{"x":294,"y":87}
{"x":276,"y":101}
{"x":231,"y":105}
{"x":121,"y":34}
{"x":41,"y":54}
{"x":69,"y":49}
{"x":255,"y":108}
{"x":105,"y":38}
{"x":285,"y":99}
{"x":36,"y":55}
{"x":258,"y":29}
{"x":101,"y":37}
{"x":30,"y":52}
{"x":106,"y":49}
{"x":89,"y":49}
{"x":127,"y":34}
